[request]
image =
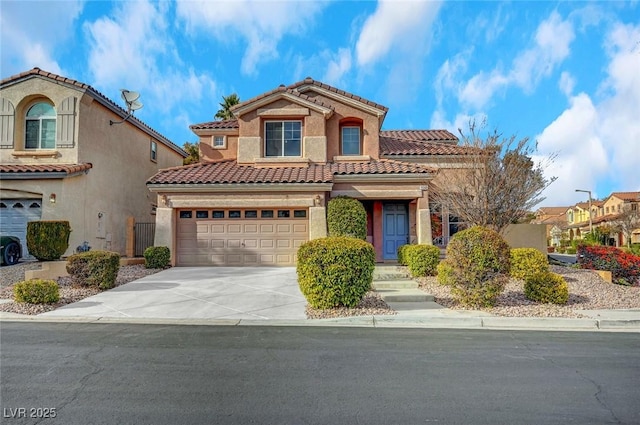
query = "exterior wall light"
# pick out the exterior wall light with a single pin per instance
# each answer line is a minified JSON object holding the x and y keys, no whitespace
{"x":52,"y":198}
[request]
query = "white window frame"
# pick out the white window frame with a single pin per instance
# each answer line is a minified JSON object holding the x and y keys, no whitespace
{"x":283,"y":139}
{"x":40,"y":119}
{"x":342,"y":150}
{"x":215,"y":138}
{"x":153,"y":154}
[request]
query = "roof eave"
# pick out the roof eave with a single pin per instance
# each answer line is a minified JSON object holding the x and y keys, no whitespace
{"x":237,"y":187}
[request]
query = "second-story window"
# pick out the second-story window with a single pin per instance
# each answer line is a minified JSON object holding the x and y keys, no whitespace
{"x":40,"y":131}
{"x":350,"y":140}
{"x":154,"y":151}
{"x":219,"y":142}
{"x":283,"y":138}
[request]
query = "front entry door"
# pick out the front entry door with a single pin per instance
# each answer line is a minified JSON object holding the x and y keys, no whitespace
{"x":395,"y":229}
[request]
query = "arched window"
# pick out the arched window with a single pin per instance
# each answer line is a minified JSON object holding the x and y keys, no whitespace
{"x":40,"y":132}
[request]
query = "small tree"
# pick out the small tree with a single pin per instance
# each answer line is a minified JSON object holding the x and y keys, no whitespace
{"x":194,"y":153}
{"x":500,"y":184}
{"x":224,"y":113}
{"x":627,"y":221}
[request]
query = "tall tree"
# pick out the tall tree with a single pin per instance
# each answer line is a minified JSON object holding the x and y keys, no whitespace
{"x":500,"y":183}
{"x":224,"y":113}
{"x":194,"y":153}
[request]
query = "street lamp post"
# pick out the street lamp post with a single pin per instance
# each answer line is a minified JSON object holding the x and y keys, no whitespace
{"x":590,"y":220}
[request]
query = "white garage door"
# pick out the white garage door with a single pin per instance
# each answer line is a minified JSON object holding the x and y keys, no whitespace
{"x":240,"y":237}
{"x":14,"y":215}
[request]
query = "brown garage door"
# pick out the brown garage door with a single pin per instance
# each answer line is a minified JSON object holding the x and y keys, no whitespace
{"x":240,"y":237}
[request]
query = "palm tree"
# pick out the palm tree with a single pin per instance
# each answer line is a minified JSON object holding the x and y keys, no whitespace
{"x":227,"y":102}
{"x":194,"y":153}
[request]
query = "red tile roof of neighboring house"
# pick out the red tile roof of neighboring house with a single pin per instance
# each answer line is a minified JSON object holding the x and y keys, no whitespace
{"x":627,"y":196}
{"x":215,"y":125}
{"x":229,"y":171}
{"x":44,"y":168}
{"x":553,"y":210}
{"x":394,"y":146}
{"x":421,"y":135}
{"x":37,"y":72}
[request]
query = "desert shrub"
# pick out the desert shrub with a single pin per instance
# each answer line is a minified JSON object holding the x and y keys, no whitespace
{"x":94,"y":268}
{"x":480,"y":259}
{"x":48,"y":240}
{"x":36,"y":291}
{"x":571,"y":250}
{"x":546,"y":287}
{"x":445,"y":273}
{"x":346,"y":217}
{"x":624,"y":267}
{"x":157,"y":257}
{"x":422,"y":260}
{"x":527,"y":261}
{"x":402,"y":260}
{"x":335,"y":271}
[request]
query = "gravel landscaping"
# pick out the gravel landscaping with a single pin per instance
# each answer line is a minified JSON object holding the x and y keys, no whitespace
{"x":587,"y":291}
{"x":370,"y":305}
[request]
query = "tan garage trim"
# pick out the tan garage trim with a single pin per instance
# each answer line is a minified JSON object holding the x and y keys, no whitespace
{"x":240,"y":237}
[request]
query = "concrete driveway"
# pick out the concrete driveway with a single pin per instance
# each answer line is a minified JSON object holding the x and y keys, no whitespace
{"x":234,"y":293}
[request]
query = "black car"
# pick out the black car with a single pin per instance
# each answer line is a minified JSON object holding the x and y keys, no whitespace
{"x":11,"y":250}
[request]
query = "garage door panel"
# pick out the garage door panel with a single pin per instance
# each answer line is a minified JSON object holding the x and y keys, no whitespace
{"x":240,"y":241}
{"x":14,"y":216}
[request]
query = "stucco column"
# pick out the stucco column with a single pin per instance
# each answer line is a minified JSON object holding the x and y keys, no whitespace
{"x":423,"y":226}
{"x":317,"y":222}
{"x":165,"y":231}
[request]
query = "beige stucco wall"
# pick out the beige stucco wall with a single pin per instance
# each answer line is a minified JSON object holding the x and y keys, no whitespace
{"x":209,"y":153}
{"x":97,"y":203}
{"x":526,"y":236}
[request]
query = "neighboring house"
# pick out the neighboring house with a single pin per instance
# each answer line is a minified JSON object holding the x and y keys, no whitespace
{"x":265,"y":178}
{"x":62,"y":159}
{"x":555,"y":220}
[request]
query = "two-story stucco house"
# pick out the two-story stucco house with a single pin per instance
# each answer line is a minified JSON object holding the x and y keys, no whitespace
{"x":63,"y":158}
{"x":265,"y":178}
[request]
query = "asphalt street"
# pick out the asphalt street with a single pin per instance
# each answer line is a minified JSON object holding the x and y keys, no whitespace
{"x":159,"y":374}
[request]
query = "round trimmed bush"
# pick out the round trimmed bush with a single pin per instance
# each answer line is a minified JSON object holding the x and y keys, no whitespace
{"x":422,"y":260}
{"x":346,"y":217}
{"x":36,"y":291}
{"x":444,"y":272}
{"x":48,"y":240}
{"x":157,"y":257}
{"x":401,"y":254}
{"x":335,"y":271}
{"x":526,"y":262}
{"x":480,"y":258}
{"x":546,"y":287}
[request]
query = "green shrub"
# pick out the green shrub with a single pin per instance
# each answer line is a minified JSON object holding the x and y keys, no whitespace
{"x":48,"y":240}
{"x":570,"y":250}
{"x":94,"y":268}
{"x":546,"y":287}
{"x":335,"y":271}
{"x":445,"y":273}
{"x":36,"y":291}
{"x":157,"y":257}
{"x":422,"y":260}
{"x":346,"y":217}
{"x":402,"y":260}
{"x":480,"y":258}
{"x":527,"y":261}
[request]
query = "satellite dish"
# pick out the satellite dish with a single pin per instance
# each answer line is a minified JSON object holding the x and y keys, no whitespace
{"x":133,"y":104}
{"x":129,"y":96}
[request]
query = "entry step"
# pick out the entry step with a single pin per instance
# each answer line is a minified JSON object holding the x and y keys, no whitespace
{"x":395,"y":284}
{"x":405,"y":295}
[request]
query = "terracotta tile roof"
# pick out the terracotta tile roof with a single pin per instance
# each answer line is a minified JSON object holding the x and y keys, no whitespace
{"x":282,"y":89}
{"x":421,"y":135}
{"x":552,"y":210}
{"x":311,"y":82}
{"x":226,"y":172}
{"x":626,"y":196}
{"x":215,"y":125}
{"x":37,"y":72}
{"x":395,"y":146}
{"x":44,"y":168}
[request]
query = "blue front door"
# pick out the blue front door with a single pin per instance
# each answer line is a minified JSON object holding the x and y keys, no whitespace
{"x":395,"y":227}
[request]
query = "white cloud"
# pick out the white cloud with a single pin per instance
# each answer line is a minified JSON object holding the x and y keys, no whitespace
{"x":566,"y":83}
{"x":553,"y":38}
{"x":261,"y":24}
{"x":395,"y":25}
{"x":30,"y":35}
{"x":337,"y":67}
{"x":600,"y":142}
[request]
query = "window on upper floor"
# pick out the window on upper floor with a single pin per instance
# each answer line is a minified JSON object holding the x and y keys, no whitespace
{"x":219,"y":142}
{"x":570,"y":215}
{"x":283,"y":138}
{"x":40,"y":127}
{"x":350,"y":140}
{"x":154,"y":151}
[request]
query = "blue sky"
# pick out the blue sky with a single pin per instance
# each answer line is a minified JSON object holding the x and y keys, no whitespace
{"x":565,"y":74}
